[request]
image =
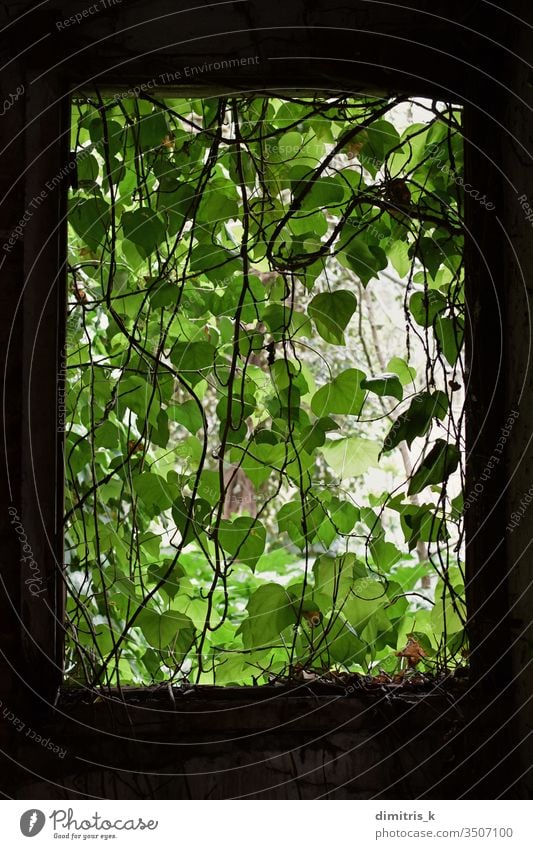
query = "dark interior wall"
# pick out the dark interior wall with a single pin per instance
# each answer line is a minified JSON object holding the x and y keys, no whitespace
{"x":471,"y":52}
{"x":312,"y":741}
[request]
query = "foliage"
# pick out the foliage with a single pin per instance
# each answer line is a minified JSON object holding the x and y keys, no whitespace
{"x":218,"y":430}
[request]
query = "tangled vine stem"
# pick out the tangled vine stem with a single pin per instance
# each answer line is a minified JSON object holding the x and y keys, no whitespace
{"x":266,"y":310}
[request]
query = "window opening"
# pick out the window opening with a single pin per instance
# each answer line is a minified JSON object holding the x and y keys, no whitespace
{"x":265,"y":386}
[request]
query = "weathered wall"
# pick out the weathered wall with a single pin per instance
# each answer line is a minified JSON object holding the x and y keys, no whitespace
{"x":442,"y":48}
{"x":265,"y":744}
{"x":517,"y":156}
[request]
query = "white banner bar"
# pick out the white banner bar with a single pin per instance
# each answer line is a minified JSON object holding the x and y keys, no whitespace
{"x":274,"y":825}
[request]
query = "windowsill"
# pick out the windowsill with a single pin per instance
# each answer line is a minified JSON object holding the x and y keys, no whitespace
{"x":307,"y":704}
{"x":243,"y":736}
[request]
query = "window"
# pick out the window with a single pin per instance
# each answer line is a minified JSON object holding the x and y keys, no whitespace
{"x":264,"y":389}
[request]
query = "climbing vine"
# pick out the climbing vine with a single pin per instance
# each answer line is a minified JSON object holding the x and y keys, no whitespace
{"x":265,"y":384}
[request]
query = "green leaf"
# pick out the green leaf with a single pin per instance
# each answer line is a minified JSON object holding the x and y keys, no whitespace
{"x":90,"y":219}
{"x":153,"y":490}
{"x":187,"y":414}
{"x":450,"y":335}
{"x":334,"y":577}
{"x":160,"y":434}
{"x":138,"y":395}
{"x":291,"y":520}
{"x":270,"y":611}
{"x":398,"y":254}
{"x":331,"y":312}
{"x":242,"y":406}
{"x":367,"y":260}
{"x":88,"y":168}
{"x":163,"y":294}
{"x":286,"y":373}
{"x":260,"y":459}
{"x":385,"y":385}
{"x":439,"y":464}
{"x":305,"y":223}
{"x":233,"y":290}
{"x":192,"y":357}
{"x":190,"y":449}
{"x":243,"y":539}
{"x":277,"y":560}
{"x":314,"y":435}
{"x":144,"y":228}
{"x":167,"y":630}
{"x":430,"y":253}
{"x":352,"y":456}
{"x":405,"y":372}
{"x":379,"y":631}
{"x":367,"y":597}
{"x":417,"y":419}
{"x":281,"y":319}
{"x":344,"y":395}
{"x":343,"y":514}
{"x":445,"y":614}
{"x":381,"y":137}
{"x":171,"y":577}
{"x":409,"y":576}
{"x":326,"y":191}
{"x":152,"y":129}
{"x":422,"y":523}
{"x":209,"y":486}
{"x":385,"y":554}
{"x":218,"y":264}
{"x":343,"y":644}
{"x":107,"y":436}
{"x":191,"y":518}
{"x":175,"y":200}
{"x":426,"y":306}
{"x":231,"y":668}
{"x":126,"y":587}
{"x":218,"y":205}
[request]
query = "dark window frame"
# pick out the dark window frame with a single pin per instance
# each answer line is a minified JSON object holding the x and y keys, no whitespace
{"x":34,"y":303}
